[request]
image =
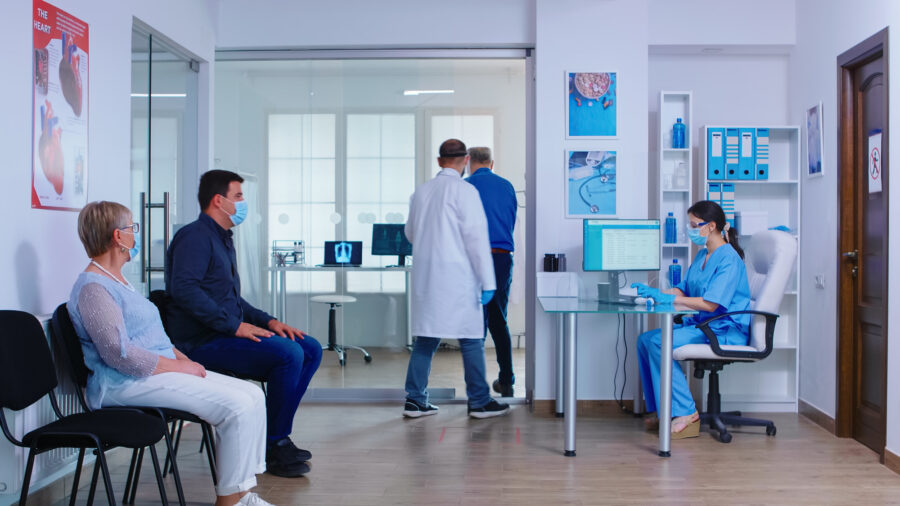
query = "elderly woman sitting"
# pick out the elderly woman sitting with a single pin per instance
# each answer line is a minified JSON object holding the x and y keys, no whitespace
{"x":134,"y":363}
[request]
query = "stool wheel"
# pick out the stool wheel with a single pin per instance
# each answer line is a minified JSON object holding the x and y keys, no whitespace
{"x":368,"y":359}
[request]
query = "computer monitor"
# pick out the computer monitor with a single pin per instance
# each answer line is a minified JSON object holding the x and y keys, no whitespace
{"x":343,"y":253}
{"x":614,"y":246}
{"x":389,"y":239}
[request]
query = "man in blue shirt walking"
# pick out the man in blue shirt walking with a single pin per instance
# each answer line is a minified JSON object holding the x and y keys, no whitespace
{"x":213,"y":325}
{"x":499,"y":200}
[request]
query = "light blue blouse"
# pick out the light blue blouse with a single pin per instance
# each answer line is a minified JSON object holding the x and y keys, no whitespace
{"x":122,"y":321}
{"x":722,"y":281}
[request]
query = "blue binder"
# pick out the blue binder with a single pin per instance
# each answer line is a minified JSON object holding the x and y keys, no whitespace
{"x":715,"y":154}
{"x":727,"y":202}
{"x":732,"y":152}
{"x":747,"y":163}
{"x":762,"y":153}
{"x":714,"y":192}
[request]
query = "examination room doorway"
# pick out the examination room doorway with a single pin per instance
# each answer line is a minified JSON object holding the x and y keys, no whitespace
{"x":338,"y":142}
{"x":863,"y":242}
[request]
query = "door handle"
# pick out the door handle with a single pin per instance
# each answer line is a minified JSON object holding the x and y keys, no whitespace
{"x":144,"y":236}
{"x":852,"y":255}
{"x":165,"y":223}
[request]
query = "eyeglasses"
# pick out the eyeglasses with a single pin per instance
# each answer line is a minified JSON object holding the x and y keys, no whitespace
{"x":134,"y":227}
{"x":698,"y":225}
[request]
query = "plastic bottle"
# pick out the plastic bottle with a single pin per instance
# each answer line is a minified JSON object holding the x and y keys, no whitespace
{"x":674,"y":273}
{"x":671,"y":230}
{"x":678,"y":134}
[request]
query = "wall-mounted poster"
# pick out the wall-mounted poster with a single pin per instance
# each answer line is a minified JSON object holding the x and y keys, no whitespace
{"x":60,"y":109}
{"x":590,"y":184}
{"x":591,"y":106}
{"x":814,"y":140}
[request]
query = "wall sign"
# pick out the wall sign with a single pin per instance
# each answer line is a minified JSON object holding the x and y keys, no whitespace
{"x":876,"y":173}
{"x":59,"y":109}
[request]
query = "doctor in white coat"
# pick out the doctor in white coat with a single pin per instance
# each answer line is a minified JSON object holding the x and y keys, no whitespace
{"x":452,"y":278}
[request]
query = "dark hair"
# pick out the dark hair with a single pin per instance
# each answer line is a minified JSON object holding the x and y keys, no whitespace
{"x":215,"y":182}
{"x":709,"y":211}
{"x":452,"y":148}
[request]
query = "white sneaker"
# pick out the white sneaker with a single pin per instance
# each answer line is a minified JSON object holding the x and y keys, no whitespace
{"x":252,"y":499}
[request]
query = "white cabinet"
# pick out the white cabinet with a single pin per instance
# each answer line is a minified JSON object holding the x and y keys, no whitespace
{"x":771,"y":384}
{"x":675,"y":180}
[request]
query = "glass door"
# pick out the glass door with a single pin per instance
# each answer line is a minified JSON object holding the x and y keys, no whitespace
{"x":164,"y":142}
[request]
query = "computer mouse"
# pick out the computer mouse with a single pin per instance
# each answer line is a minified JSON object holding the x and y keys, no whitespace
{"x":643,"y":300}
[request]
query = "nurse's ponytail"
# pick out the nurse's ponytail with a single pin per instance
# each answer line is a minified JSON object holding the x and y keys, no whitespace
{"x":708,"y":210}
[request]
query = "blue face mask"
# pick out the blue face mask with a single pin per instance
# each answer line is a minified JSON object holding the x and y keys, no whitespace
{"x":135,"y":250}
{"x":695,"y":237}
{"x":240,"y":212}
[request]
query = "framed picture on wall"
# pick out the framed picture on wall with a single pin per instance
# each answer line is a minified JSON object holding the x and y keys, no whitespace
{"x":591,"y":105}
{"x":590,"y":184}
{"x":814,"y":140}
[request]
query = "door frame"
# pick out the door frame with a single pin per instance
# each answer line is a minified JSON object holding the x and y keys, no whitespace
{"x":847,"y":190}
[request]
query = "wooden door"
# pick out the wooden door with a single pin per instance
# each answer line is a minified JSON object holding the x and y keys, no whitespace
{"x":863,"y":244}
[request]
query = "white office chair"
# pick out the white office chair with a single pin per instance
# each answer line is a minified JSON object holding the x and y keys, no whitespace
{"x":770,"y":262}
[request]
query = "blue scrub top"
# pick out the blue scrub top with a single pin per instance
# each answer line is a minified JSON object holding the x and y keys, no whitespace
{"x":723,"y":281}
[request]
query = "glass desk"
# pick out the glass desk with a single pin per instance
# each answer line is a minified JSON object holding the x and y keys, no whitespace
{"x":568,"y":309}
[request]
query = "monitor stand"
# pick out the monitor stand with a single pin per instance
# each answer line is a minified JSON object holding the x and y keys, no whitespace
{"x":614,"y":287}
{"x":401,"y":261}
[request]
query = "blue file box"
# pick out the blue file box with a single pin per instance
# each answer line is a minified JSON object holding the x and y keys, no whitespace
{"x":762,"y":153}
{"x":715,"y":154}
{"x":727,"y":202}
{"x":732,"y":153}
{"x":747,"y":163}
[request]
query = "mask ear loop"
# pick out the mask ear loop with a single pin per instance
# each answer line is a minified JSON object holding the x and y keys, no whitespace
{"x":725,"y":231}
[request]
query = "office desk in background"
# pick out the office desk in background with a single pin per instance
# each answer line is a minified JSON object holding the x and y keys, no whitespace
{"x":278,"y":286}
{"x":568,"y":309}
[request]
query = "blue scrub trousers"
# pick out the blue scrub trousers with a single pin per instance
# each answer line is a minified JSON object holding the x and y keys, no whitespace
{"x":419,"y":369}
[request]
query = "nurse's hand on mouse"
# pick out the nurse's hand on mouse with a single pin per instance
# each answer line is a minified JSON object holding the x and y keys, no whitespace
{"x":657,"y":295}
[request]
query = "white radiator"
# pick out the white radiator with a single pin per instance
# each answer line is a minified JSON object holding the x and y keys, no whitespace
{"x":13,"y":458}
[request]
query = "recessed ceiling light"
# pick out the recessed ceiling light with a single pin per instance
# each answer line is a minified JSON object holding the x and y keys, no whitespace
{"x":427,"y":92}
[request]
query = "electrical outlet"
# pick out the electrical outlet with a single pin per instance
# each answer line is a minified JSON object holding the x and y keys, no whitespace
{"x":820,"y":281}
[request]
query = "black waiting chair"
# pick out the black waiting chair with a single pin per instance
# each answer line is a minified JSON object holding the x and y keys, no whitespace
{"x":70,"y":363}
{"x":27,"y":375}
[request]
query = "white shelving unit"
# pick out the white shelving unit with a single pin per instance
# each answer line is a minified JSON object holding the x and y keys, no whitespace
{"x":770,"y":384}
{"x":675,"y":183}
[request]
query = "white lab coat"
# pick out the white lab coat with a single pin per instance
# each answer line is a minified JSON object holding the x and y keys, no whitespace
{"x":452,"y":261}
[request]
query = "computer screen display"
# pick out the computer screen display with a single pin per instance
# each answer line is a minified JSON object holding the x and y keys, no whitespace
{"x":389,"y":239}
{"x":343,"y":253}
{"x":621,"y":245}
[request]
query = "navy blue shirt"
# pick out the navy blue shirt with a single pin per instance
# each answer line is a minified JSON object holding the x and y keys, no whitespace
{"x":203,"y":286}
{"x":499,"y":200}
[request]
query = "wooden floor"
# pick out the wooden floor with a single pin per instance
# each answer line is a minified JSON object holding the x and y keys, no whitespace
{"x":370,"y":455}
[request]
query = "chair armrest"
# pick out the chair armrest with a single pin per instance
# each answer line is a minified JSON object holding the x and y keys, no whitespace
{"x":717,"y":349}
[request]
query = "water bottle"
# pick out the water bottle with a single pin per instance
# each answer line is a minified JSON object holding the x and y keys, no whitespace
{"x":678,"y":130}
{"x":671,"y":230}
{"x":674,"y":273}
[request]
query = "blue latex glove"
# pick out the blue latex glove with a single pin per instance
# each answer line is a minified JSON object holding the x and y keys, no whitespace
{"x":653,"y":293}
{"x":486,"y":296}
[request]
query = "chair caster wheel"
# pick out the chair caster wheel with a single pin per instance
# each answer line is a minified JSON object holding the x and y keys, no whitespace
{"x":725,"y":437}
{"x":770,"y":430}
{"x":343,"y":362}
{"x":368,"y":359}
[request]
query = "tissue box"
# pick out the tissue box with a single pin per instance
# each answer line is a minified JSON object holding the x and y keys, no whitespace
{"x":751,"y":222}
{"x":557,"y":284}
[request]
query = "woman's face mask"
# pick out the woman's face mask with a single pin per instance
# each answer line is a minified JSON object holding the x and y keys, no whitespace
{"x":135,"y":250}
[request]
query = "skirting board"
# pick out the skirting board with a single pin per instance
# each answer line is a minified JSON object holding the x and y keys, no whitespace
{"x":584,"y":408}
{"x":817,"y":416}
{"x":892,"y":461}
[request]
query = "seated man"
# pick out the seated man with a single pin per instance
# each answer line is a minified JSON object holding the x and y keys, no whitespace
{"x":215,"y":326}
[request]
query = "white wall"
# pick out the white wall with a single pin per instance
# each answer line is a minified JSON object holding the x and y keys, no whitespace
{"x":826,"y":29}
{"x":626,"y":53}
{"x":42,"y":255}
{"x":363,"y":23}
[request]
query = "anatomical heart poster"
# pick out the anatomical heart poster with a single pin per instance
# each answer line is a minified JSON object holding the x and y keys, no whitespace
{"x":60,"y":109}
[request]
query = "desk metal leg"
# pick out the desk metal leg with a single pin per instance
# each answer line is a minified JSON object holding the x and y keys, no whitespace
{"x":409,"y":337}
{"x":571,"y":395}
{"x":282,"y":291}
{"x":560,"y":363}
{"x":273,"y":292}
{"x":665,"y":381}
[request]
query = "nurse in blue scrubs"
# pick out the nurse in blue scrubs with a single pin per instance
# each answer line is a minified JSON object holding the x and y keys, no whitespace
{"x":716,"y":283}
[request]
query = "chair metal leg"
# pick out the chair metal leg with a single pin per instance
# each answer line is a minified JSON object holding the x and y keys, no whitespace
{"x":94,"y":476}
{"x":23,"y":496}
{"x":174,"y":433}
{"x":107,"y":482}
{"x":77,"y":477}
{"x":137,"y":476}
{"x":210,"y":452}
{"x":130,"y":478}
{"x":366,"y":356}
{"x":159,"y":478}
{"x":175,"y":475}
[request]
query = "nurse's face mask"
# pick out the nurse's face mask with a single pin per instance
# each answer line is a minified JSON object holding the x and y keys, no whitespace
{"x":695,"y":231}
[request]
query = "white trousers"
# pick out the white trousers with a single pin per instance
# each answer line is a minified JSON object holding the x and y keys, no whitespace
{"x":236,"y":408}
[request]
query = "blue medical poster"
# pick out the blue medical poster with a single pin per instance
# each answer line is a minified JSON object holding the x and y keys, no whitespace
{"x":591,"y":106}
{"x":590,"y":184}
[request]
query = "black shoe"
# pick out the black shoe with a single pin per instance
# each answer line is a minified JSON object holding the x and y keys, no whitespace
{"x":502,"y":389}
{"x":489,"y":410}
{"x":298,"y":454}
{"x":294,"y":470}
{"x":413,"y":409}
